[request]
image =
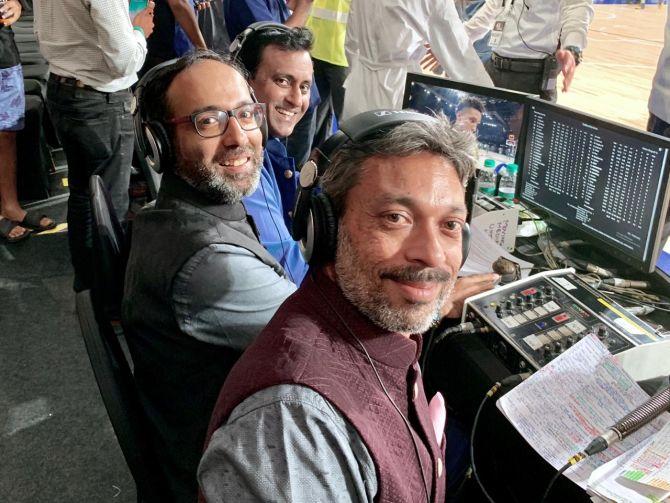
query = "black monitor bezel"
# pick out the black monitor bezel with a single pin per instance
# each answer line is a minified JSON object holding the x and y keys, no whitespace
{"x":493,"y":92}
{"x":648,"y":265}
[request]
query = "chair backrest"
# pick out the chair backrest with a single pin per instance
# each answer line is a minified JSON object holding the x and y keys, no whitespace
{"x":152,"y":178}
{"x":110,"y":251}
{"x":121,"y":399}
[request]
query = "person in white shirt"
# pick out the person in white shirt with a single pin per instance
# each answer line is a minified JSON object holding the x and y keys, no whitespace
{"x":525,"y":37}
{"x":94,"y":51}
{"x":659,"y":99}
{"x":386,"y":39}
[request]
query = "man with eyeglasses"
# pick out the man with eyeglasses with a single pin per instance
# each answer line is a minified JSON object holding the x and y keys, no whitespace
{"x":199,"y":285}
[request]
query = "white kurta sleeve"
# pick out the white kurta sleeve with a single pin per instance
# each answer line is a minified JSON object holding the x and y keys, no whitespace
{"x":452,"y":47}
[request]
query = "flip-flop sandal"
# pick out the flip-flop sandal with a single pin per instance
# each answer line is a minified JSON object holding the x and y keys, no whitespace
{"x":6,"y":227}
{"x":32,"y":221}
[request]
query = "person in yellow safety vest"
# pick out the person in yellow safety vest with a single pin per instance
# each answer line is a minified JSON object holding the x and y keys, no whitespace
{"x":328,"y":22}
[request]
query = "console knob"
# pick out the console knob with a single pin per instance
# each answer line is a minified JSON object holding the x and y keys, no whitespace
{"x":602,"y":332}
{"x":499,"y":311}
{"x":558,"y":347}
{"x":508,"y":304}
{"x":569,"y":341}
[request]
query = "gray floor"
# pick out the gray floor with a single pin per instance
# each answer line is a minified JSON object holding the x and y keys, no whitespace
{"x":56,"y":442}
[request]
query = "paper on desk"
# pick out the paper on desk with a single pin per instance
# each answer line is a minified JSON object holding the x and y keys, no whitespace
{"x":603,"y":480}
{"x":572,"y":399}
{"x":499,"y":225}
{"x":484,"y":251}
{"x":651,"y":466}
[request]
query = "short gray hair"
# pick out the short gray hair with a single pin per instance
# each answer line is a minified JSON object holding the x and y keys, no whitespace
{"x":433,"y":136}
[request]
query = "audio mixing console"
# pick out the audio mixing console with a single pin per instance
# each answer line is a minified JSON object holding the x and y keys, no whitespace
{"x":533,"y":320}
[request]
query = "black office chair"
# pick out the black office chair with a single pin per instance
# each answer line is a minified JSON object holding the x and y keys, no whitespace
{"x":111,"y":249}
{"x":120,"y":396}
{"x":152,"y":178}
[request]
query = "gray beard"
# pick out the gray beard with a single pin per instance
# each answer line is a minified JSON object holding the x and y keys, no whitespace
{"x":370,"y":299}
{"x":217,"y":187}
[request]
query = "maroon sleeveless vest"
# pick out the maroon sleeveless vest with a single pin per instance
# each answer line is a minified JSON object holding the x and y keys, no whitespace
{"x":306,"y":343}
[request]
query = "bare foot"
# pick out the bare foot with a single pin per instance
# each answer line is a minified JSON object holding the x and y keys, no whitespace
{"x":16,"y":232}
{"x":20,"y":214}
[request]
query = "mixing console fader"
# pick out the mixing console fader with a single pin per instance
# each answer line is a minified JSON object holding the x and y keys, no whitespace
{"x":535,"y":319}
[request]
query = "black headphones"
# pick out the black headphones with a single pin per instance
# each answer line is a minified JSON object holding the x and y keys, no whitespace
{"x":152,"y":137}
{"x":314,"y":217}
{"x":253,"y":30}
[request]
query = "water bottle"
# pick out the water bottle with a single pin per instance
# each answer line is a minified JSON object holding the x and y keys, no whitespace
{"x":508,"y":182}
{"x":487,"y":178}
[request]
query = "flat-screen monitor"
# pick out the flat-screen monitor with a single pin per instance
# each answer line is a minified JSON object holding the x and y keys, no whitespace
{"x":606,"y":182}
{"x":663,"y":260}
{"x":494,"y":115}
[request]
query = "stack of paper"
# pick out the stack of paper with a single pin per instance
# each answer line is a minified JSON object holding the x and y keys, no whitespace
{"x":574,"y":398}
{"x":641,"y":475}
{"x":484,"y":251}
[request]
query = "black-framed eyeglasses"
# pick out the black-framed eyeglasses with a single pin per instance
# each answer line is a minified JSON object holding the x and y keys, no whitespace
{"x":211,"y":123}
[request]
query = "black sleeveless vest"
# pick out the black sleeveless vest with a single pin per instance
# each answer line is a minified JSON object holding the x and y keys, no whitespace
{"x":178,"y":377}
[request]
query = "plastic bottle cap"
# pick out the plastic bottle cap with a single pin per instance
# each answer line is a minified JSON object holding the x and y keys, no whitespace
{"x":489,"y":163}
{"x":512,"y":168}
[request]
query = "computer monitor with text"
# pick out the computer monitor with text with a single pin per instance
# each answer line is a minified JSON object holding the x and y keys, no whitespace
{"x":607,"y":182}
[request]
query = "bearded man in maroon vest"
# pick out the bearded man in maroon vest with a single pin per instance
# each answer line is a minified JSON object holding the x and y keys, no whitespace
{"x":328,"y":404}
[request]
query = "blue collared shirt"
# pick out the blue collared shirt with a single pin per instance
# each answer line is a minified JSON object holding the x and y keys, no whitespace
{"x":241,"y":13}
{"x":286,"y":175}
{"x":269,"y":206}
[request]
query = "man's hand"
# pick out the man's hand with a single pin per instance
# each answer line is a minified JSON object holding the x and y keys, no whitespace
{"x":567,"y":62}
{"x":145,"y":20}
{"x":429,"y":62}
{"x":301,"y":10}
{"x":10,"y":12}
{"x":201,"y":5}
{"x":465,"y":287}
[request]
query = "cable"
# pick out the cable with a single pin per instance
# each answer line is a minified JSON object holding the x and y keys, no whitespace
{"x":489,"y":393}
{"x":512,"y":380}
{"x":518,"y":30}
{"x":381,"y":383}
{"x":555,"y":478}
{"x":468,"y":327}
{"x":630,"y":423}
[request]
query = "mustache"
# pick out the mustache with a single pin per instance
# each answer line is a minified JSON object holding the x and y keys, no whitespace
{"x":416,"y":274}
{"x":237,"y":152}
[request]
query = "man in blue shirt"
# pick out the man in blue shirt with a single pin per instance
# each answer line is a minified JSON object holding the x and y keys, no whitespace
{"x":280,"y":74}
{"x":239,"y":14}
